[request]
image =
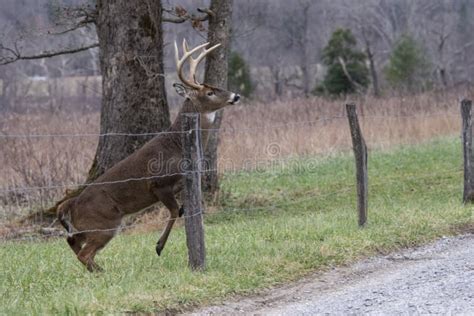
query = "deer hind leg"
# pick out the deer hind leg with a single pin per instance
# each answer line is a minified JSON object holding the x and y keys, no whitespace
{"x":76,"y":242}
{"x":94,"y":243}
{"x":169,"y":200}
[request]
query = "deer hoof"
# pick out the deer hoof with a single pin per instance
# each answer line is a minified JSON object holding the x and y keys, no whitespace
{"x":158,"y":249}
{"x":94,"y":268}
{"x":181,"y":211}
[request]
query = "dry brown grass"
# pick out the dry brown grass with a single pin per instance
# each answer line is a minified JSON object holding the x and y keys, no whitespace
{"x":253,"y":133}
{"x":44,"y":161}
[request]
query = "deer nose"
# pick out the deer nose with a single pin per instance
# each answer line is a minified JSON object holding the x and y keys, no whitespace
{"x":236,"y":98}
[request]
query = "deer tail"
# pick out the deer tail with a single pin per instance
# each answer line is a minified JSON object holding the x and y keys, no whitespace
{"x":64,"y":215}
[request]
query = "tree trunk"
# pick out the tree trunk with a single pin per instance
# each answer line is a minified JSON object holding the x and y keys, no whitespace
{"x":131,"y":61}
{"x":442,"y":76}
{"x":3,"y":97}
{"x":306,"y":87}
{"x":373,"y":70}
{"x":304,"y":51}
{"x":216,"y":75}
{"x":133,"y":86}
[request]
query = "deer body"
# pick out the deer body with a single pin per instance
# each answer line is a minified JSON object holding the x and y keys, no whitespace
{"x":149,"y":175}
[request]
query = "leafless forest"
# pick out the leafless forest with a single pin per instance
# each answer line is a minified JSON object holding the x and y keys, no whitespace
{"x":282,"y":42}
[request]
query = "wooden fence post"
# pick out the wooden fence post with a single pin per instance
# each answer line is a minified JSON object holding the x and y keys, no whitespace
{"x":360,"y":153}
{"x":192,"y":155}
{"x":468,"y":193}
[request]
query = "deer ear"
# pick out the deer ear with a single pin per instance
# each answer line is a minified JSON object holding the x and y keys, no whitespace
{"x":181,"y":90}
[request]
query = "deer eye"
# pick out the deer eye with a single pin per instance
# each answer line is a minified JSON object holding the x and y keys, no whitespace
{"x":210,"y":93}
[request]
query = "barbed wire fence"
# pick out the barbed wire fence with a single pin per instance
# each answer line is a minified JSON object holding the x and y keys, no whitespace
{"x":310,"y":196}
{"x":194,"y":211}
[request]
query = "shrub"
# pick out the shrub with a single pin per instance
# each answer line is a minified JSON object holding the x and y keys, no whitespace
{"x":341,"y":48}
{"x":408,"y":68}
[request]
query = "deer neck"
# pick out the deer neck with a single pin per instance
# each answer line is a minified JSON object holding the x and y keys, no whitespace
{"x":206,"y":121}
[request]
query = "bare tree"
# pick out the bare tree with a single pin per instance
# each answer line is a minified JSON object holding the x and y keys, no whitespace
{"x":219,"y":31}
{"x":133,"y":92}
{"x":365,"y":22}
{"x":442,"y":32}
{"x":372,"y":68}
{"x":296,"y":31}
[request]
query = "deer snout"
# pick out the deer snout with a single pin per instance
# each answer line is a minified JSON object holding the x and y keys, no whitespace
{"x":234,"y":98}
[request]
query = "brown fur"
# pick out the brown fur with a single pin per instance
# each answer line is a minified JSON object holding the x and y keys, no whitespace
{"x":93,"y":216}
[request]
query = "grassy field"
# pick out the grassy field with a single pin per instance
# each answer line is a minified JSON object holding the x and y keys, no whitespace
{"x":299,"y":218}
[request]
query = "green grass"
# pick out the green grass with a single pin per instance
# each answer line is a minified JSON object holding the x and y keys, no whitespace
{"x":415,"y":196}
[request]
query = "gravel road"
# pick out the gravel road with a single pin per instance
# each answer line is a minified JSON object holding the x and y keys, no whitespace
{"x":434,"y":279}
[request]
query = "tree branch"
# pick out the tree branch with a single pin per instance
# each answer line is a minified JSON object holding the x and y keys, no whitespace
{"x":348,"y":75}
{"x":77,"y":16}
{"x":17,"y":55}
{"x":180,"y":15}
{"x":79,"y":25}
{"x":209,"y":12}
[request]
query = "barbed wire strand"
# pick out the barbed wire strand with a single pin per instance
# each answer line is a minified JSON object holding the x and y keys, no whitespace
{"x":88,"y":135}
{"x":77,"y":185}
{"x":126,"y":227}
{"x":234,"y":210}
{"x":272,"y":163}
{"x":167,"y":132}
{"x":224,"y":130}
{"x":102,"y":183}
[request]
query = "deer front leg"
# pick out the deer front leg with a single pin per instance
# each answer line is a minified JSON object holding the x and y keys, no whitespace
{"x":169,"y":200}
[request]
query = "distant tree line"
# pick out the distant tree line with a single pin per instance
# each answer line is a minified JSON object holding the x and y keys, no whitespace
{"x":275,"y":35}
{"x":407,"y":70}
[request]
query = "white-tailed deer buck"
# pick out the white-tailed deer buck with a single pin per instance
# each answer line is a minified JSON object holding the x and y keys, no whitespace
{"x":93,"y":217}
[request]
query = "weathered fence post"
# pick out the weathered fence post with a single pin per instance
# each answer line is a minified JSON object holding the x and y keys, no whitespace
{"x":468,"y":194}
{"x":192,"y":155}
{"x":360,"y":153}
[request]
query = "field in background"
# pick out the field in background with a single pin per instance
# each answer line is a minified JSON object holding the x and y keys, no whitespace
{"x":315,"y":126}
{"x":253,"y":135}
{"x":275,"y":226}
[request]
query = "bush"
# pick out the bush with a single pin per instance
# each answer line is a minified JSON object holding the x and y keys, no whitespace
{"x":408,"y":68}
{"x":342,"y":47}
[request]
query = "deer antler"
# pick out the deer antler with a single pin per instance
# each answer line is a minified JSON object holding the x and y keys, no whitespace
{"x":193,"y":63}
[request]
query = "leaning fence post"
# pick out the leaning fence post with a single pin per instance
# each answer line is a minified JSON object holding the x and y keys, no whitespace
{"x":360,"y":153}
{"x":192,"y":155}
{"x":468,"y":194}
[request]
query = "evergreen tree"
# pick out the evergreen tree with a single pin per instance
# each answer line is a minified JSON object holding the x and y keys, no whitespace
{"x":239,"y":75}
{"x":407,"y":68}
{"x":346,"y":66}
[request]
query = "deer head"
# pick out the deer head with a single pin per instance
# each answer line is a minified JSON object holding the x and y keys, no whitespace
{"x":205,"y":98}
